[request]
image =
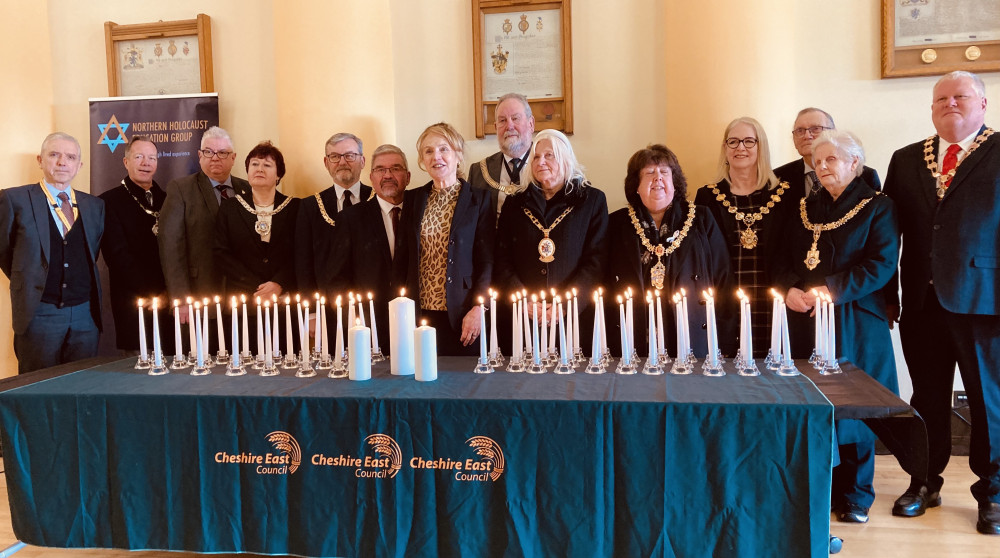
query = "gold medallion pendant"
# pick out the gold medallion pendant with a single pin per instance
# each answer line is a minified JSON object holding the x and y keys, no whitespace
{"x":546,"y":249}
{"x":657,"y":275}
{"x":748,"y":239}
{"x":812,"y":255}
{"x":262,"y":228}
{"x":812,"y":259}
{"x":156,"y":228}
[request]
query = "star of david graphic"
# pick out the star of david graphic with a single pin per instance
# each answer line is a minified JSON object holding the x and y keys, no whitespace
{"x":112,"y":124}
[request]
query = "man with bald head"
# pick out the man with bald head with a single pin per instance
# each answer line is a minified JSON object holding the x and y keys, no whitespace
{"x":50,"y":234}
{"x":947,"y":194}
{"x":501,"y":172}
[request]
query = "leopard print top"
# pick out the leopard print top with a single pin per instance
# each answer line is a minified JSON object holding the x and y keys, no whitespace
{"x":435,"y":232}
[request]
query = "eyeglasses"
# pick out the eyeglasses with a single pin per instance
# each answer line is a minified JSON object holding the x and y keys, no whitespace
{"x":349,"y":157}
{"x":813,"y":131}
{"x":212,"y":154}
{"x":396,"y":169}
{"x":749,"y":143}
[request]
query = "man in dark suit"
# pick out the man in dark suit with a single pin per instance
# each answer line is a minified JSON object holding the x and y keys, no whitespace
{"x":129,"y":244}
{"x":500,"y":173}
{"x":50,"y":235}
{"x":187,"y":219}
{"x":373,"y":257}
{"x":316,"y":230}
{"x":947,"y":192}
{"x":799,"y":174}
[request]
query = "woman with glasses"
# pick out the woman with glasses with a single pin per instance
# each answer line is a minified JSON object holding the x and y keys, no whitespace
{"x":255,"y":231}
{"x":664,"y":242}
{"x":451,"y":243}
{"x":750,"y":206}
{"x":553,"y":234}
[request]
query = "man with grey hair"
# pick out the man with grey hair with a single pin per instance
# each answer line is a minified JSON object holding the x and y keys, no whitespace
{"x":948,"y":202}
{"x":501,"y":172}
{"x":316,"y":230}
{"x":799,"y":174}
{"x":186,"y":230}
{"x":50,"y":234}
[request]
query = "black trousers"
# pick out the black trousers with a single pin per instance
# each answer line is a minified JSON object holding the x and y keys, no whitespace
{"x":934,"y":341}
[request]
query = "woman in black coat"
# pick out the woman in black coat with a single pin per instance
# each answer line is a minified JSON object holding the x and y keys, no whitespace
{"x":553,"y":233}
{"x":255,"y":233}
{"x":660,"y":227}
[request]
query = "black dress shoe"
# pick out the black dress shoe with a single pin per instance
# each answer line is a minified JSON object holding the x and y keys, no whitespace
{"x":853,"y":513}
{"x":915,"y":501}
{"x":989,"y":519}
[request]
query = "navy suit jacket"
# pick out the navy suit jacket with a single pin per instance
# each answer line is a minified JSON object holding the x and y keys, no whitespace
{"x":470,"y":248}
{"x":316,"y":240}
{"x":954,"y":241}
{"x":24,"y":247}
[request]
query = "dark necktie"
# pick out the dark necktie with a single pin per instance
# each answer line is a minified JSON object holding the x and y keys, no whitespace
{"x":67,"y":210}
{"x":223,"y":191}
{"x":394,"y":217}
{"x":514,"y":170}
{"x":149,"y":198}
{"x":814,"y":183}
{"x":348,"y":199}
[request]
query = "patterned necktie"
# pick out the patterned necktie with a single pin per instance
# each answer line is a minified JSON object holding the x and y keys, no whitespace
{"x":514,"y":170}
{"x":67,"y":210}
{"x":950,"y":162}
{"x":149,"y":198}
{"x":814,"y":182}
{"x":348,"y":199}
{"x":223,"y":191}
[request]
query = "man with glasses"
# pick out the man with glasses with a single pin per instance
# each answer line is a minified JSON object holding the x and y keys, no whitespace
{"x":371,"y":256}
{"x":50,"y":234}
{"x":129,"y":244}
{"x":316,"y":228}
{"x":501,"y":172}
{"x":186,"y":233}
{"x":799,"y":174}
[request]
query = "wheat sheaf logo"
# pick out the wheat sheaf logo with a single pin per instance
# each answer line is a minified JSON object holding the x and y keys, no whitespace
{"x":388,"y":448}
{"x":287,"y":445}
{"x":490,"y":452}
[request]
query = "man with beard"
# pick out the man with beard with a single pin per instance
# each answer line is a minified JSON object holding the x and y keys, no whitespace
{"x":501,"y":172}
{"x":129,"y":244}
{"x":316,"y":229}
{"x":371,"y":255}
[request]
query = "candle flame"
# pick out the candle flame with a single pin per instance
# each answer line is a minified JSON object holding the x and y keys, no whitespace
{"x":711,"y":291}
{"x":288,"y":299}
{"x":189,"y":300}
{"x":676,"y":297}
{"x":357,"y":322}
{"x":739,"y":294}
{"x":513,"y":298}
{"x":204,"y":301}
{"x":567,"y":295}
{"x":600,"y":291}
{"x":217,"y":299}
{"x":267,"y":304}
{"x":774,"y":293}
{"x":243,"y":298}
{"x":556,"y":300}
{"x":258,"y":301}
{"x":402,"y":293}
{"x":574,"y":291}
{"x":481,"y":301}
{"x":141,"y":303}
{"x":338,"y":300}
{"x":553,"y":291}
{"x":657,"y":291}
{"x":305,"y":303}
{"x":683,"y":292}
{"x":370,"y":296}
{"x":197,"y":305}
{"x":274,"y":298}
{"x":177,"y":302}
{"x":524,"y":292}
{"x":534,"y":298}
{"x":542,"y":295}
{"x":814,"y":292}
{"x":619,"y":299}
{"x":156,"y":302}
{"x":316,"y":295}
{"x":322,"y":300}
{"x":628,"y":291}
{"x":649,"y":298}
{"x":233,"y":302}
{"x":423,"y":323}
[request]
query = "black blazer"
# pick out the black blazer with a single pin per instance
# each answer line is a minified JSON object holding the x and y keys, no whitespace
{"x":363,"y":262}
{"x":470,"y":250}
{"x":954,"y":241}
{"x":494,"y":164}
{"x":700,"y":262}
{"x":317,"y":240}
{"x":794,"y":173}
{"x":132,"y":254}
{"x":243,"y":258}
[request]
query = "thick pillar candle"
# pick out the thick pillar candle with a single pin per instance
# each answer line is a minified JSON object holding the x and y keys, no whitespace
{"x":359,"y":354}
{"x":402,"y":322}
{"x":425,"y":344}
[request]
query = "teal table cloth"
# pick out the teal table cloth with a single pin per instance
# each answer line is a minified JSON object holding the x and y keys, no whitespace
{"x":504,"y":465}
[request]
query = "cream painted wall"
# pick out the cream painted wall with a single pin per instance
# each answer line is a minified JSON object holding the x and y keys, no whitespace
{"x":27,"y":85}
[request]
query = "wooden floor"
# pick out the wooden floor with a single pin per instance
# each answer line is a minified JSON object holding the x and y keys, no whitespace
{"x":945,"y":532}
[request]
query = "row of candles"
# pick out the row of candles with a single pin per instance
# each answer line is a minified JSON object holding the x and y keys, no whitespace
{"x":413,"y":349}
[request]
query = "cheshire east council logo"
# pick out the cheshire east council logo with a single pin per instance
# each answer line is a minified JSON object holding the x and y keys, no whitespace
{"x":488,"y":467}
{"x":119,"y":127}
{"x":380,"y":458}
{"x":285,"y":460}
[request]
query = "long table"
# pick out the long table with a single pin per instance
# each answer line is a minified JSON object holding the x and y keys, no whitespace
{"x":469,"y":465}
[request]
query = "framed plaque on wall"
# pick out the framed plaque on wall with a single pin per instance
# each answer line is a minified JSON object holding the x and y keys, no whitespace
{"x":934,"y":37}
{"x":162,"y":58}
{"x":523,"y":47}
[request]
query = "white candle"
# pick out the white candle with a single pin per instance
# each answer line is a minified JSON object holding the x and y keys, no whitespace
{"x":651,"y":333}
{"x":221,"y":331}
{"x":305,"y":334}
{"x":178,"y":347}
{"x":276,"y":332}
{"x":260,"y":332}
{"x":552,"y":326}
{"x":659,"y":323}
{"x":246,"y":328}
{"x":374,"y":326}
{"x":425,"y":343}
{"x":569,"y":322}
{"x":298,"y":310}
{"x":196,"y":328}
{"x":350,"y":310}
{"x":325,"y":351}
{"x":536,"y":357}
{"x":832,"y":328}
{"x":142,"y":333}
{"x":289,"y":336}
{"x":402,"y":322}
{"x":821,"y":311}
{"x":818,"y":315}
{"x":359,"y":355}
{"x":629,"y":324}
{"x":775,"y":327}
{"x":713,"y":334}
{"x":493,"y":324}
{"x":595,"y":349}
{"x":604,"y":323}
{"x":191,"y":325}
{"x":563,"y":349}
{"x":483,"y":356}
{"x":339,"y":339}
{"x":678,"y":322}
{"x":786,"y":346}
{"x":545,"y":317}
{"x":236,"y":334}
{"x":361,"y":312}
{"x":316,"y":343}
{"x":527,"y":323}
{"x":204,"y":329}
{"x":626,"y":353}
{"x":686,"y":323}
{"x":576,"y":322}
{"x":157,"y":346}
{"x":515,"y":336}
{"x":268,"y":340}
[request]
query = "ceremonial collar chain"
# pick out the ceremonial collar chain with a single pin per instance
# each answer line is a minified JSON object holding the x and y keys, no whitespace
{"x":509,"y":189}
{"x":154,"y":214}
{"x":323,"y":213}
{"x":262,"y":227}
{"x":659,"y":272}
{"x":58,"y":205}
{"x":812,"y":256}
{"x":546,"y":247}
{"x":944,"y":179}
{"x":748,"y":237}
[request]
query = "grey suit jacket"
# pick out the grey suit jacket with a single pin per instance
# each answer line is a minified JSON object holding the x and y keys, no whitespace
{"x":24,"y":247}
{"x":187,"y":235}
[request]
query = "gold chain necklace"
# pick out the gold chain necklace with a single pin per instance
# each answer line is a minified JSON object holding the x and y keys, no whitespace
{"x":154,"y":214}
{"x":509,"y":189}
{"x":262,"y":227}
{"x":812,"y":256}
{"x":323,"y":213}
{"x":748,"y":237}
{"x":659,"y":272}
{"x":546,"y":247}
{"x":944,"y":179}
